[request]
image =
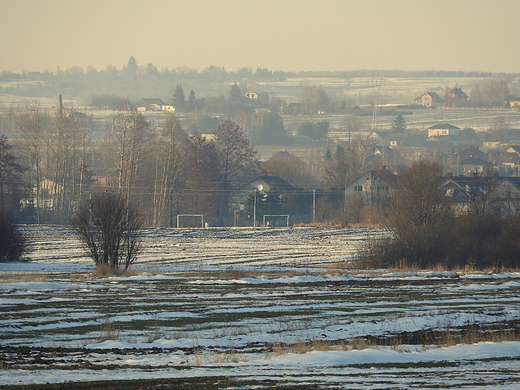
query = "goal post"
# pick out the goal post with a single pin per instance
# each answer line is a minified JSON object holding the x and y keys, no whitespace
{"x":190,"y":220}
{"x":276,"y":220}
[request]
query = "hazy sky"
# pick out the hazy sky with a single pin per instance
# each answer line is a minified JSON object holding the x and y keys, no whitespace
{"x":287,"y":35}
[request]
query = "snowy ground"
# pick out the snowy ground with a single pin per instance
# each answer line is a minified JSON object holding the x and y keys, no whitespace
{"x":258,"y":305}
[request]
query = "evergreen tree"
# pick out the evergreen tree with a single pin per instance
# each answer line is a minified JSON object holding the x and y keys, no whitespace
{"x":191,"y":101}
{"x":235,"y":93}
{"x":132,"y":67}
{"x":340,"y":152}
{"x":328,"y":155}
{"x":11,"y":185}
{"x":399,"y":123}
{"x":178,"y":98}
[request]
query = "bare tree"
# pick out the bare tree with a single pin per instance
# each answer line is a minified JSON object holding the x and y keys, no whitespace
{"x":314,"y":98}
{"x":422,"y":219}
{"x":170,"y":161}
{"x":236,"y":156}
{"x":292,"y":169}
{"x":130,"y":134}
{"x":339,"y":172}
{"x":204,"y":187}
{"x":420,"y":202}
{"x":109,"y":229}
{"x":67,"y":151}
{"x":34,"y":125}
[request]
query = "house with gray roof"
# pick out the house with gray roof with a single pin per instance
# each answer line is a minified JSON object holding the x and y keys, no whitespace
{"x":429,"y":99}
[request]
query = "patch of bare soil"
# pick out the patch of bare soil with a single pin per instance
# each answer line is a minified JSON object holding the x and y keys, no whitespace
{"x":197,"y":383}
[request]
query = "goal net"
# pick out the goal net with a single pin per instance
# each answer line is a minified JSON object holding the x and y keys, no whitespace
{"x":276,"y":220}
{"x":190,"y":220}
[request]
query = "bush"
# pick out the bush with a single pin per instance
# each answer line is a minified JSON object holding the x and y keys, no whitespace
{"x":470,"y":241}
{"x":426,"y":233}
{"x":109,"y":230}
{"x":13,"y":244}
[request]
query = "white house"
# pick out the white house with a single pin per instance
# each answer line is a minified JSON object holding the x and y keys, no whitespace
{"x":374,"y":187}
{"x":428,"y":99}
{"x":153,"y":104}
{"x":443,"y":129}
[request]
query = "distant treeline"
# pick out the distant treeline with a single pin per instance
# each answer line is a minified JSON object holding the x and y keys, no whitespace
{"x":132,"y":82}
{"x":400,"y":73}
{"x":246,"y":73}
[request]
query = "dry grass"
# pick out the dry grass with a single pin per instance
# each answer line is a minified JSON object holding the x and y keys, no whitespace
{"x":470,"y":334}
{"x":24,"y":277}
{"x":104,"y":271}
{"x":108,"y":331}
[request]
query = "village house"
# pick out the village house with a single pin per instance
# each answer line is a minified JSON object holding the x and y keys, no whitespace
{"x":512,"y":102}
{"x":262,"y":185}
{"x":294,"y":109}
{"x":383,"y":156}
{"x":378,"y":137}
{"x":471,"y":152}
{"x":153,"y":104}
{"x":443,"y":129}
{"x":455,"y":97}
{"x":374,"y":187}
{"x":257,"y":96}
{"x":492,"y":145}
{"x":514,"y":149}
{"x":474,"y":165}
{"x":429,"y":99}
{"x":507,"y":195}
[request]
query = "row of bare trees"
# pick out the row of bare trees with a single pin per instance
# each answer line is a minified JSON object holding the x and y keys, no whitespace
{"x":54,"y":148}
{"x":162,"y":171}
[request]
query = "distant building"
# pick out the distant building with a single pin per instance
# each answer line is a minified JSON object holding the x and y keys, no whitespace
{"x":441,"y":129}
{"x":515,"y":149}
{"x":294,"y":109}
{"x":472,"y":165}
{"x":455,"y":97}
{"x":374,"y":187}
{"x":428,"y":99}
{"x":512,"y":102}
{"x":383,"y":156}
{"x":471,"y":152}
{"x":262,"y":185}
{"x":256,"y":96}
{"x":153,"y":104}
{"x":491,"y":145}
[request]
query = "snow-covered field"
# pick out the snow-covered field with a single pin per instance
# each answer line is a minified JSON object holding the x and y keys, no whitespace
{"x":257,"y":306}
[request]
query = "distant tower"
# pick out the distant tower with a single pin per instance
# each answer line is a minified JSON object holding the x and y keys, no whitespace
{"x":376,"y":85}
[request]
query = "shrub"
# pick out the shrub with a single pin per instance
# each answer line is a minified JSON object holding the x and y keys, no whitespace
{"x":13,"y":244}
{"x":109,"y":230}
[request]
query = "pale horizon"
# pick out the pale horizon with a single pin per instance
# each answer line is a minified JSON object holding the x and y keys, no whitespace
{"x":291,"y":36}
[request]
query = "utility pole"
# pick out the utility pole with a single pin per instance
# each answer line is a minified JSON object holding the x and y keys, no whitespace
{"x":345,"y":196}
{"x":313,"y":206}
{"x":254,"y":209}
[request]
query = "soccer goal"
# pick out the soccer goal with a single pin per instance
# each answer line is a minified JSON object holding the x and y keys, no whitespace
{"x":190,"y":220}
{"x":276,"y":220}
